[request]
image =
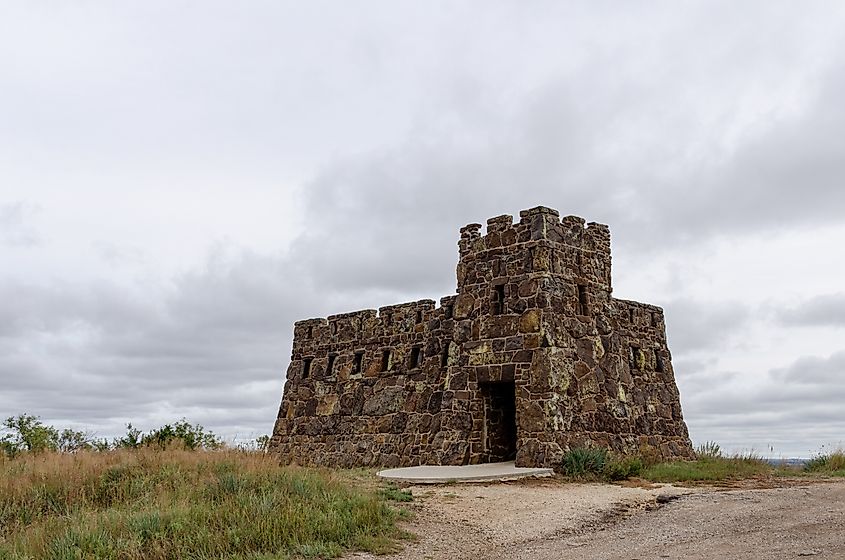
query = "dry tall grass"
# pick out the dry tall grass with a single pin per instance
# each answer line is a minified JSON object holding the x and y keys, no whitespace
{"x":157,"y":505}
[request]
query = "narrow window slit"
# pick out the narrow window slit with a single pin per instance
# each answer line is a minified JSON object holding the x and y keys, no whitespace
{"x":330,"y":364}
{"x":498,"y":299}
{"x":444,"y":356}
{"x":385,"y":360}
{"x":658,"y":362}
{"x":635,"y":357}
{"x":582,"y":300}
{"x":419,"y":316}
{"x":357,"y":362}
{"x":306,"y":367}
{"x":416,"y":357}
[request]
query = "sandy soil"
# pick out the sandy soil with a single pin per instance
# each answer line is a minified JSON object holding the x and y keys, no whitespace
{"x":549,"y":519}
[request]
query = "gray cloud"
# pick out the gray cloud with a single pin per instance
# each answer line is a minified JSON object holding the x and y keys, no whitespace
{"x":207,"y":346}
{"x":15,"y":227}
{"x":395,"y":126}
{"x":695,"y":325}
{"x":802,"y":400}
{"x":825,"y":310}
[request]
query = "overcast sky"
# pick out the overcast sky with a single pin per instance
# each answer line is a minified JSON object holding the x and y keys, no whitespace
{"x":181,"y":180}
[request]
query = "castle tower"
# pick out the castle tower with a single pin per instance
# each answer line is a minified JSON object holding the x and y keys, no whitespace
{"x":533,"y":356}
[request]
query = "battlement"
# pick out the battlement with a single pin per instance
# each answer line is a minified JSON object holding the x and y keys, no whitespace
{"x":535,"y":224}
{"x":366,"y":323}
{"x":540,"y":244}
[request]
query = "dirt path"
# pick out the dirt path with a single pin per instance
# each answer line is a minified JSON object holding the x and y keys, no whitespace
{"x":551,"y":520}
{"x":771,"y":524}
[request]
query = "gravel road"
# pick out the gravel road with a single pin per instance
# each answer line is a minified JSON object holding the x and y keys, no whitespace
{"x":552,"y":520}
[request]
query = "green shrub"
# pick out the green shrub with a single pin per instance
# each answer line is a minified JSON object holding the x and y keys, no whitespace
{"x":708,"y":450}
{"x":624,"y":468}
{"x":827,"y":463}
{"x":580,"y":462}
{"x":182,"y":433}
{"x":26,"y":433}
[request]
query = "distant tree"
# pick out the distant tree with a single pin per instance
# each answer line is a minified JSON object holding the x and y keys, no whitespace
{"x":132,"y":439}
{"x":26,"y":432}
{"x":100,"y":444}
{"x":262,"y":443}
{"x":191,"y":436}
{"x":73,"y":440}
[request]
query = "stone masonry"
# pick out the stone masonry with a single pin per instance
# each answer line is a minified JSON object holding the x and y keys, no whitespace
{"x":532,"y":357}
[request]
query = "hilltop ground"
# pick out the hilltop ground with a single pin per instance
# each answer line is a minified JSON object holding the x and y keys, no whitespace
{"x":544,"y":519}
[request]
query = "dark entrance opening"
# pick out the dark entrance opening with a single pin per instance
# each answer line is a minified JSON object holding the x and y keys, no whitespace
{"x":499,"y":421}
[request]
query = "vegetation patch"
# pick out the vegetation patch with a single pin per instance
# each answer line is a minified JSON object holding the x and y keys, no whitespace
{"x":395,"y":494}
{"x":710,"y":466}
{"x":708,"y":469}
{"x":830,"y":464}
{"x":157,"y":504}
{"x":588,"y":463}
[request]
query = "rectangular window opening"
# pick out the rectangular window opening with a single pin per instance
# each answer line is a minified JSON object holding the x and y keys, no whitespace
{"x":447,"y":312}
{"x":385,"y":360}
{"x":444,"y":356}
{"x":498,"y":299}
{"x":631,"y":315}
{"x":658,"y":362}
{"x":416,"y":357}
{"x":306,"y":367}
{"x":330,"y":364}
{"x":357,"y":362}
{"x":582,"y":300}
{"x":653,"y":319}
{"x":635,"y":357}
{"x":419,"y":316}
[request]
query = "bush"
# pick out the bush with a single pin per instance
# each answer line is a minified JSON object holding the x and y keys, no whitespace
{"x":827,"y":463}
{"x":181,"y":433}
{"x":27,"y":433}
{"x":624,"y":468}
{"x":708,"y":450}
{"x":580,"y":462}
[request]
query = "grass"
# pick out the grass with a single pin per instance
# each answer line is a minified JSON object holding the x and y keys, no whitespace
{"x":169,"y":504}
{"x":711,"y":466}
{"x":395,"y":494}
{"x":708,"y":469}
{"x":831,"y":464}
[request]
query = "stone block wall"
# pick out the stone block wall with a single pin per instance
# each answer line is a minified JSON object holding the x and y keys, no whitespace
{"x":531,"y":357}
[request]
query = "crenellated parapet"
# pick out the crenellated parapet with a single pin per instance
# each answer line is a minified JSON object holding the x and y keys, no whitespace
{"x":550,"y":245}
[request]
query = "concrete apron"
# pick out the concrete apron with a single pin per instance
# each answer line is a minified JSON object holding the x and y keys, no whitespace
{"x":486,"y":472}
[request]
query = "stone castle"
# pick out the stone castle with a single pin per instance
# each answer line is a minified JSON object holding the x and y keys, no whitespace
{"x":532,"y":357}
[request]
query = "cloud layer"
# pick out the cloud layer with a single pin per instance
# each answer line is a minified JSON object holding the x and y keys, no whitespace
{"x":181,"y":184}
